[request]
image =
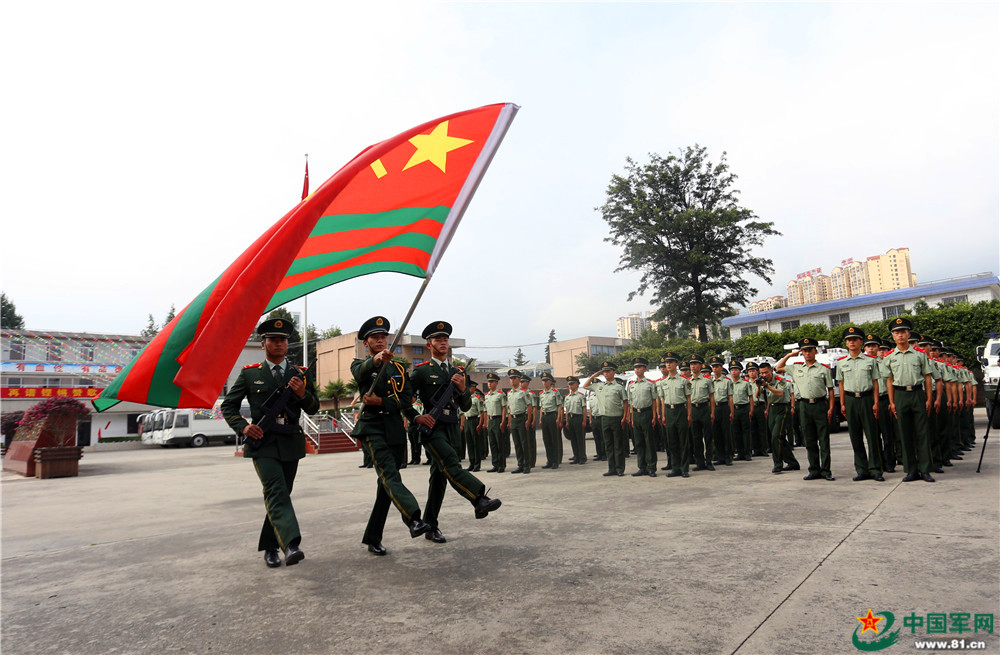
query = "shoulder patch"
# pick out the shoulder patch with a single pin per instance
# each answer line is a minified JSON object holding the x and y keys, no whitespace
{"x":839,"y":358}
{"x":872,"y":356}
{"x":826,"y":365}
{"x":422,"y":364}
{"x":257,"y":365}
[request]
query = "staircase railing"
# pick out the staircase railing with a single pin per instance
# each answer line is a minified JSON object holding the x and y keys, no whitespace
{"x":310,"y":427}
{"x":346,"y":422}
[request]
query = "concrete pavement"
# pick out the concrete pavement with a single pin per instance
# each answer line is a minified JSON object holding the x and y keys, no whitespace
{"x":154,"y":551}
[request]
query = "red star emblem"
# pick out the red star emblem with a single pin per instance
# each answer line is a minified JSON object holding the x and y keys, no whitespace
{"x":869,"y":622}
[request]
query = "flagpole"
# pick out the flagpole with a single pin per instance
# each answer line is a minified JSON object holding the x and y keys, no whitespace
{"x":400,"y":329}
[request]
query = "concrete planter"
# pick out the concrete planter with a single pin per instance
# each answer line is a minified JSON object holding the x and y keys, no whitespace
{"x":59,"y":462}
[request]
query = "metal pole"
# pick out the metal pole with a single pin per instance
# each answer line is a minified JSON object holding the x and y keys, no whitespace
{"x":989,"y":424}
{"x":305,"y":330}
{"x":400,"y":329}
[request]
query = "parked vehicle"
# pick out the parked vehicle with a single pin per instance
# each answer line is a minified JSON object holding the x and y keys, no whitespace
{"x":989,"y":357}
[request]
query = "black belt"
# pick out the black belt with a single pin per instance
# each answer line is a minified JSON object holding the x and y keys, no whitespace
{"x":811,"y":401}
{"x":910,"y":387}
{"x":547,"y":413}
{"x":859,"y":394}
{"x":740,"y":404}
{"x":642,"y":409}
{"x":518,"y":415}
{"x":675,"y":405}
{"x":761,"y":402}
{"x":701,"y":404}
{"x":374,"y":412}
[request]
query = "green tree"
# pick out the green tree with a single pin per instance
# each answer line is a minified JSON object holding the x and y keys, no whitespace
{"x":519,"y":358}
{"x":9,"y":318}
{"x":170,"y":315}
{"x":331,"y":332}
{"x":679,"y":222}
{"x":552,"y":338}
{"x":335,"y":390}
{"x":587,"y":364}
{"x":151,"y":328}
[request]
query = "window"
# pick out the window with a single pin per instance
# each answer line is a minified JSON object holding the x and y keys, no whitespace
{"x":132,"y":424}
{"x":836,"y":320}
{"x":52,"y":382}
{"x":892,"y":311}
{"x":789,"y":325}
{"x":418,"y":350}
{"x":748,"y":330}
{"x":87,"y":352}
{"x":602,"y":350}
{"x":398,"y":350}
{"x":134,"y":352}
{"x":182,"y":421}
{"x":417,"y":361}
{"x":16,"y":350}
{"x":954,"y":299}
{"x":86,"y":382}
{"x":14,"y":382}
{"x":53,"y":351}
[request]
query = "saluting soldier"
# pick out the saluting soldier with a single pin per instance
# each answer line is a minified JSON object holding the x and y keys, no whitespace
{"x":779,"y":402}
{"x":519,"y":416}
{"x":275,"y":452}
{"x":908,"y":375}
{"x":472,"y":423}
{"x":549,"y":403}
{"x":641,"y":416}
{"x":496,"y":412}
{"x":857,"y":377}
{"x":380,"y":429}
{"x":702,"y":415}
{"x":430,"y":381}
{"x":758,"y":422}
{"x":573,"y":414}
{"x":612,"y":400}
{"x":814,"y":393}
{"x":743,"y":392}
{"x":675,"y":413}
{"x":722,"y":389}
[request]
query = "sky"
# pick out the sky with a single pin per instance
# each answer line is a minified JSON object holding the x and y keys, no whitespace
{"x":145,"y":146}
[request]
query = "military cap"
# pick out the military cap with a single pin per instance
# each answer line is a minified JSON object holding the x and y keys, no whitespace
{"x":671,"y":355}
{"x":937,"y":344}
{"x":663,"y":363}
{"x":546,"y":376}
{"x":852,"y":332}
{"x":685,"y":366}
{"x":752,"y":367}
{"x":275,"y":327}
{"x":871,"y":338}
{"x":764,"y":365}
{"x":925,"y":339}
{"x":436,"y":329}
{"x":914,"y":337}
{"x":959,"y":359}
{"x":473,"y":383}
{"x":492,"y":377}
{"x":715,"y":360}
{"x":900,"y":323}
{"x":887,"y":343}
{"x":608,"y":366}
{"x":572,"y":379}
{"x":735,"y":364}
{"x":696,"y":359}
{"x":526,"y":376}
{"x":640,"y":361}
{"x":807,"y":342}
{"x":948,"y":351}
{"x":514,"y":373}
{"x":374,"y":325}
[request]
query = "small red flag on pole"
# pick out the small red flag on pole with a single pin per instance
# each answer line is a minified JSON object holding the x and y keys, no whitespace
{"x":305,"y":181}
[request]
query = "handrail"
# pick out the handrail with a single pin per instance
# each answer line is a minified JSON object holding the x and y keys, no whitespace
{"x":310,"y":428}
{"x":346,"y":421}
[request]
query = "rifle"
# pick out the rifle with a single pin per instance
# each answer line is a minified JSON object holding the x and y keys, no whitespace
{"x":274,"y":405}
{"x":443,"y":400}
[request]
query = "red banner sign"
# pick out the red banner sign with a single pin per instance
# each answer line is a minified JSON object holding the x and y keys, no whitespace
{"x":38,"y":393}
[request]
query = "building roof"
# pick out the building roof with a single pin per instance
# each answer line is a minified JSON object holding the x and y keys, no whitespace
{"x":964,"y":283}
{"x":81,"y":336}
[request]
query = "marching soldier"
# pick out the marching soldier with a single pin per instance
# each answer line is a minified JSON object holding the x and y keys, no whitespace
{"x":380,"y":429}
{"x":722,"y":389}
{"x":612,"y":399}
{"x":472,"y":423}
{"x":908,"y":375}
{"x":758,"y":422}
{"x":702,"y":415}
{"x":431,"y":380}
{"x":642,"y":417}
{"x":675,"y":413}
{"x":550,"y":403}
{"x":496,"y":412}
{"x":813,"y":385}
{"x":779,"y":402}
{"x":743,"y":406}
{"x":573,"y":414}
{"x":857,"y":377}
{"x":275,"y":452}
{"x":519,"y":416}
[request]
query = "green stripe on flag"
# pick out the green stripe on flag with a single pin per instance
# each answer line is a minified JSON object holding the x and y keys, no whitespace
{"x":393,"y":218}
{"x":409,"y":240}
{"x":300,"y":290}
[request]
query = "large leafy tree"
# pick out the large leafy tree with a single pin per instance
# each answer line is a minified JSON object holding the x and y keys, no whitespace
{"x":10,"y":318}
{"x":679,"y":222}
{"x":294,"y":353}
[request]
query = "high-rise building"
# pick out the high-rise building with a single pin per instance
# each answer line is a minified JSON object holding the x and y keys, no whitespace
{"x":890,"y":271}
{"x":816,"y":288}
{"x":629,"y":327}
{"x":794,"y":293}
{"x":767,"y":304}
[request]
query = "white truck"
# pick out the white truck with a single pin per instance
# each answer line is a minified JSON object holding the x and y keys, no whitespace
{"x":989,"y":357}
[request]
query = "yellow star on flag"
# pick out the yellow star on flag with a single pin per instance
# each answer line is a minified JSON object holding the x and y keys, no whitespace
{"x":869,"y":622}
{"x":434,"y":147}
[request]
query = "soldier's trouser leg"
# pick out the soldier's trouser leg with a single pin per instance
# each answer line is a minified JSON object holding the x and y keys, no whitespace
{"x":550,"y":438}
{"x":970,"y":427}
{"x":531,"y":450}
{"x":741,"y":431}
{"x":781,"y":450}
{"x":863,"y":430}
{"x":645,"y":439}
{"x":519,"y":434}
{"x":720,"y":433}
{"x":496,"y":450}
{"x":797,"y":429}
{"x":574,"y":423}
{"x":701,"y":434}
{"x":816,"y":434}
{"x":483,"y":441}
{"x":280,"y":529}
{"x":675,"y":424}
{"x":507,"y":439}
{"x":886,"y":434}
{"x":414,"y":436}
{"x":615,"y":445}
{"x":937,"y":424}
{"x":366,"y":459}
{"x":597,"y":428}
{"x":954,"y":444}
{"x":389,"y":490}
{"x":445,"y":470}
{"x":472,"y":441}
{"x":914,"y":430}
{"x":758,"y":426}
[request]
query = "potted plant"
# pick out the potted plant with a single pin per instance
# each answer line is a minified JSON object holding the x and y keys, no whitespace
{"x":50,"y":428}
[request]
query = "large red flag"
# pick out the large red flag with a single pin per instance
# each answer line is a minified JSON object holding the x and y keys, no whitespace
{"x":394,"y":207}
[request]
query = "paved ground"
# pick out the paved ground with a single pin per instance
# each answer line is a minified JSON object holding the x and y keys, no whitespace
{"x":152,"y":551}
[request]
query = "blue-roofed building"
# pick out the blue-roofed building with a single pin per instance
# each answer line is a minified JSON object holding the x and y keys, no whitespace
{"x":869,"y":307}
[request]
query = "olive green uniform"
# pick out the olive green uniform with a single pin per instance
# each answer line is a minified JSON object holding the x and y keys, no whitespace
{"x":596,"y":424}
{"x":778,"y":414}
{"x":471,"y":431}
{"x":641,"y":396}
{"x":574,"y":406}
{"x":518,"y":402}
{"x":276,"y":460}
{"x":859,"y":375}
{"x":892,"y":453}
{"x":743,"y":391}
{"x":674,"y":393}
{"x":702,"y":402}
{"x":813,"y":384}
{"x":906,"y":371}
{"x":611,"y":398}
{"x":722,"y":389}
{"x":496,"y":402}
{"x":549,"y":403}
{"x":761,"y":437}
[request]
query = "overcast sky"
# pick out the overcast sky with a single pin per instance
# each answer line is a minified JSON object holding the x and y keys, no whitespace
{"x":146,"y":145}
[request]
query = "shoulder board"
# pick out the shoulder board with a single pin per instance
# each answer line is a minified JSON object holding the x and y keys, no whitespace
{"x":707,"y":377}
{"x":686,"y":377}
{"x":579,"y":393}
{"x":872,"y":356}
{"x":422,"y":364}
{"x":826,"y":365}
{"x":778,"y":377}
{"x":838,"y":359}
{"x":919,"y":349}
{"x":257,"y":365}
